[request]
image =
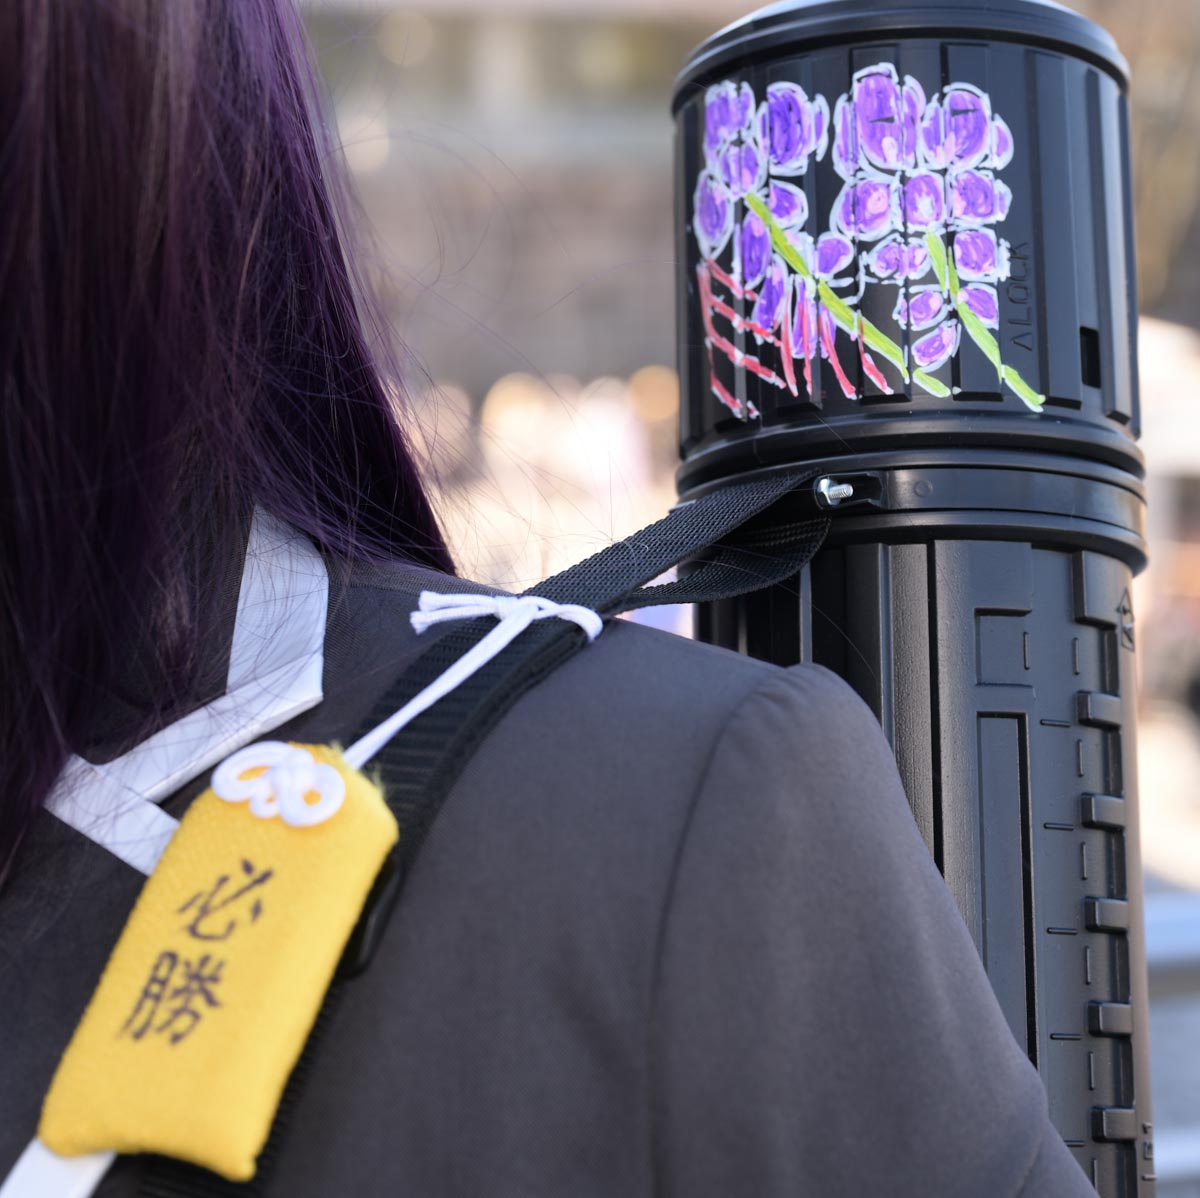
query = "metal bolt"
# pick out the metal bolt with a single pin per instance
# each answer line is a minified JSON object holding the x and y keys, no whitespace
{"x":832,"y":493}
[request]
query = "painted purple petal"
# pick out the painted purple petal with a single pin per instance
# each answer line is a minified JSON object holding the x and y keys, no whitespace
{"x":916,"y":260}
{"x":887,"y":258}
{"x":1003,"y":199}
{"x":754,"y":249}
{"x":976,"y":198}
{"x":713,"y":209}
{"x":745,"y":107}
{"x":982,"y":301}
{"x":788,"y":204}
{"x":924,"y":200}
{"x":769,"y":305}
{"x":913,"y":105}
{"x":727,"y":111}
{"x":968,"y":124}
{"x":932,"y":140}
{"x":878,"y":116}
{"x":1002,"y":143}
{"x":833,"y":253}
{"x":743,"y":168}
{"x":867,"y":209}
{"x":787,"y":128}
{"x":930,"y":351}
{"x":820,"y":108}
{"x":976,"y":254}
{"x":845,"y":139}
{"x":924,"y":308}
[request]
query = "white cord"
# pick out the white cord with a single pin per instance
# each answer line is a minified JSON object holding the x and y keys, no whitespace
{"x":40,"y":1173}
{"x":515,"y":614}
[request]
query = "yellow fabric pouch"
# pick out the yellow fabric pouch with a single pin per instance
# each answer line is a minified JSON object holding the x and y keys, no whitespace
{"x":217,"y":978}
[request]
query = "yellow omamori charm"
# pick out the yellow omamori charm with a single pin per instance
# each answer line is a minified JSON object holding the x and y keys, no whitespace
{"x":214,"y":984}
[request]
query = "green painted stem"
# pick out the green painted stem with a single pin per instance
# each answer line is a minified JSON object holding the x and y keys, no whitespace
{"x":873,"y":337}
{"x":947,"y":277}
{"x":844,"y":316}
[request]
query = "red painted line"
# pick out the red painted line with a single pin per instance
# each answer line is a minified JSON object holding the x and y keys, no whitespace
{"x":731,"y":351}
{"x":789,"y":356}
{"x":732,"y":283}
{"x":741,"y":323}
{"x":873,"y":371}
{"x":830,"y":347}
{"x":806,"y":346}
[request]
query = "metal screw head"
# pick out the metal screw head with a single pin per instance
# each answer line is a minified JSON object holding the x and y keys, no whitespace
{"x":830,"y":492}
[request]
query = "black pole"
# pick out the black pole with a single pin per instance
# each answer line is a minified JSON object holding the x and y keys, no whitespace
{"x":906,"y":257}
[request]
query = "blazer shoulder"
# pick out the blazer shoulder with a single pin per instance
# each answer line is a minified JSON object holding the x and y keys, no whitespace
{"x":634,"y":671}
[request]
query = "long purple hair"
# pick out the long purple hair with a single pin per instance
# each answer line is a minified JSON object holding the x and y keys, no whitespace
{"x":182,"y":336}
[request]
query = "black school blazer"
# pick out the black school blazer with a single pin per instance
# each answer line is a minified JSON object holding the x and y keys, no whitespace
{"x":674,"y":934}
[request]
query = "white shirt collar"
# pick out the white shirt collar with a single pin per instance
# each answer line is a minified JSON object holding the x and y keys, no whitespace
{"x":275,"y":668}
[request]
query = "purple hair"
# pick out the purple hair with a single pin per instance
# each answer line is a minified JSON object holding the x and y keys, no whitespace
{"x":181,"y":337}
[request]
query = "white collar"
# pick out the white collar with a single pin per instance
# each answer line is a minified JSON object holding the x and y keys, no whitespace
{"x":275,"y":668}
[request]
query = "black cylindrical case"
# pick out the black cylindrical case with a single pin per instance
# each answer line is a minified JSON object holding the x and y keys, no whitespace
{"x":905,"y":248}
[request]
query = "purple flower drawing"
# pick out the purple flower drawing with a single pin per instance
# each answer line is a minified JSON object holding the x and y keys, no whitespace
{"x":867,"y":209}
{"x":713,"y":222}
{"x":937,"y":347}
{"x":878,"y":121}
{"x":728,"y":109}
{"x":754,"y":249}
{"x":788,"y":204}
{"x":792,"y":128}
{"x":919,"y":201}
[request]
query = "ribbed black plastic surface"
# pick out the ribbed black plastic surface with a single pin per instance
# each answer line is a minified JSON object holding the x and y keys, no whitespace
{"x":976,"y":588}
{"x":1003,"y":677}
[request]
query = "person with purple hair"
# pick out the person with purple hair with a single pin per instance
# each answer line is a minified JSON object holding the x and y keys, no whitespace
{"x":674,"y":931}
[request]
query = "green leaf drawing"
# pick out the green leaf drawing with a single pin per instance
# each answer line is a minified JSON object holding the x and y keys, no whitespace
{"x":947,"y":277}
{"x":934,"y":386}
{"x":779,"y":240}
{"x":850,"y":321}
{"x":838,"y":308}
{"x":1032,"y":399}
{"x":937,"y":255}
{"x":884,"y":344}
{"x":979,"y":332}
{"x":874,"y":338}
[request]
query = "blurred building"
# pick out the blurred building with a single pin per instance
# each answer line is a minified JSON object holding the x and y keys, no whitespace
{"x":514,"y":161}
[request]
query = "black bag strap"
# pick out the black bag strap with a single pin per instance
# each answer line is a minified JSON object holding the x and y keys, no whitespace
{"x":726,"y":555}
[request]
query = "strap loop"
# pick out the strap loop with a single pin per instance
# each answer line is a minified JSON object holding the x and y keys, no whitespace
{"x":435,"y":608}
{"x":515,"y":614}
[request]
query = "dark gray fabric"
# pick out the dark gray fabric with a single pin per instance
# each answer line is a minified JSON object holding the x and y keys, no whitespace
{"x":606,"y":581}
{"x":674,"y":934}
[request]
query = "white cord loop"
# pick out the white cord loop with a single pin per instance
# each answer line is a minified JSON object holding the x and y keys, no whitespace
{"x":283,"y":776}
{"x":515,"y":614}
{"x":434,"y":608}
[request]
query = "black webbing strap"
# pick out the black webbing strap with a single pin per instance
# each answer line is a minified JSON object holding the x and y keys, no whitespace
{"x":728,"y":555}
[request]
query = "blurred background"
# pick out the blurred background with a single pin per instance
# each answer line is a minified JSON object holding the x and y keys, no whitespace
{"x":513,"y":159}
